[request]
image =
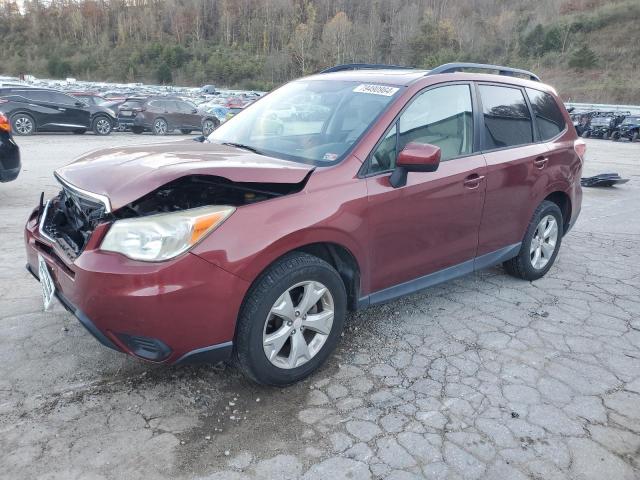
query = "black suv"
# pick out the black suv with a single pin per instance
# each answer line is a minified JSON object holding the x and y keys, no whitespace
{"x":162,"y":115}
{"x":33,"y":110}
{"x":9,"y":152}
{"x":629,"y":128}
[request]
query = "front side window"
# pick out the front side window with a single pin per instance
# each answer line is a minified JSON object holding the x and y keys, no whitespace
{"x":549,"y":118}
{"x":442,"y":116}
{"x":308,"y":121}
{"x":507,"y":121}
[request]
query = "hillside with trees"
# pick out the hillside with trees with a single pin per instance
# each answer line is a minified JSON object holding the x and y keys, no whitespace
{"x":588,"y":49}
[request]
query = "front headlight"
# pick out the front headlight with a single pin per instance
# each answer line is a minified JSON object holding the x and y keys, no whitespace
{"x":163,"y":236}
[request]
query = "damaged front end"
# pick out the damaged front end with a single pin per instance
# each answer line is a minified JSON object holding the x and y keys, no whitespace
{"x":70,"y":218}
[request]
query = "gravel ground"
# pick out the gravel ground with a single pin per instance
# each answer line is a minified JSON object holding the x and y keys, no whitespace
{"x":482,"y":377}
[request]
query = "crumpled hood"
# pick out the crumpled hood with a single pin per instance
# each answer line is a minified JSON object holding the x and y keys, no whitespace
{"x":124,"y":174}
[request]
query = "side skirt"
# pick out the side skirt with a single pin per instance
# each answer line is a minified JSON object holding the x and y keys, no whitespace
{"x":444,"y":275}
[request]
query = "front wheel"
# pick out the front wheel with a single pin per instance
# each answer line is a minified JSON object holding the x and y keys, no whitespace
{"x":615,"y":136}
{"x":102,"y":126}
{"x":540,"y":245}
{"x":291,"y":320}
{"x":208,"y":126}
{"x":634,"y":137}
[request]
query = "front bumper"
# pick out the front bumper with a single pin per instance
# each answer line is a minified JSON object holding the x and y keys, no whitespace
{"x":179,"y":311}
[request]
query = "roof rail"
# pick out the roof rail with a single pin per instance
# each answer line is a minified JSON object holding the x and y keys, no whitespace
{"x":507,"y":71}
{"x":364,"y":66}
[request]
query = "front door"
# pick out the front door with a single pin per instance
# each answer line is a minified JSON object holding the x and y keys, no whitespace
{"x":431,"y":223}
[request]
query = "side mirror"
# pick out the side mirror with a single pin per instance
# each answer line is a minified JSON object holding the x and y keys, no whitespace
{"x":81,"y":104}
{"x":415,"y":157}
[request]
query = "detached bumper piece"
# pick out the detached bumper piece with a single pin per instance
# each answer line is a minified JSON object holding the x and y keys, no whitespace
{"x":603,"y":180}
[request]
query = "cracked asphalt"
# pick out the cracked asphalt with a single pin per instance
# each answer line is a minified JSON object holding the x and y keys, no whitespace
{"x":483,"y":377}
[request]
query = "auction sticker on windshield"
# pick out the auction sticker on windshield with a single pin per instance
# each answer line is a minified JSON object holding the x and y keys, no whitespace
{"x":376,"y":89}
{"x":48,"y":288}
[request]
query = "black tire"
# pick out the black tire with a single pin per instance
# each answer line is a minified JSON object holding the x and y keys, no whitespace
{"x":185,"y":131}
{"x":285,"y":273}
{"x":521,"y":265}
{"x":137,"y":130}
{"x":605,"y":136}
{"x":586,"y":134}
{"x":160,"y":126}
{"x":23,"y":124}
{"x":209,"y":125}
{"x":615,"y":136}
{"x":634,"y":137}
{"x":79,"y":132}
{"x":102,"y":125}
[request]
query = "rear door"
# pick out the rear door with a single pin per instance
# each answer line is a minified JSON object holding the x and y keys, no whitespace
{"x":515,"y":165}
{"x":432,"y":222}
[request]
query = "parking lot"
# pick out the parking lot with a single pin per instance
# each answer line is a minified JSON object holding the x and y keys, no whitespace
{"x":483,"y":377}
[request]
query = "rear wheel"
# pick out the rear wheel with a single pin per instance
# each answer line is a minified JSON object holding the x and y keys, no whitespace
{"x":23,"y":124}
{"x":291,"y":320}
{"x":160,"y":126}
{"x":540,"y":245}
{"x":586,"y":134}
{"x":102,"y":126}
{"x":615,"y":136}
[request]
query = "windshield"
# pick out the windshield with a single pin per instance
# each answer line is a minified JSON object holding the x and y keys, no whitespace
{"x":309,"y":121}
{"x":600,"y":121}
{"x":631,"y":120}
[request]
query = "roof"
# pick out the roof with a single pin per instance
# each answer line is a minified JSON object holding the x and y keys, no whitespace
{"x":388,"y":76}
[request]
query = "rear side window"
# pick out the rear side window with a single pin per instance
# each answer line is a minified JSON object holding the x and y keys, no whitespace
{"x":36,"y":95}
{"x":507,"y":121}
{"x":549,"y":118}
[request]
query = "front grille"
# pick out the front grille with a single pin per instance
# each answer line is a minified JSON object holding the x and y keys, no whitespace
{"x":70,"y":219}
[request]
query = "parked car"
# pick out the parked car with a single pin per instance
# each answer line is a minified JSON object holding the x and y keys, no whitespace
{"x":603,"y":124}
{"x":9,"y":152}
{"x":252,"y":247}
{"x":162,"y":115}
{"x":629,"y":128}
{"x":32,"y":110}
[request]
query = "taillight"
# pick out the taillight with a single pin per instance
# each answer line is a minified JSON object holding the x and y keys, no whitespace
{"x":5,"y":126}
{"x":580,"y":148}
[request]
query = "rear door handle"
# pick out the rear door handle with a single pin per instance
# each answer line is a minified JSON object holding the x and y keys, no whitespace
{"x":473,"y":180}
{"x":540,"y":162}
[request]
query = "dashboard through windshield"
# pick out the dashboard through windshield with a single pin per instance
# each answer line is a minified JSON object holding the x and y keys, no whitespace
{"x":309,"y":121}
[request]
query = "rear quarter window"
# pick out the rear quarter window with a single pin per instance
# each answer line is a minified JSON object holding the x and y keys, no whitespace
{"x":549,"y":118}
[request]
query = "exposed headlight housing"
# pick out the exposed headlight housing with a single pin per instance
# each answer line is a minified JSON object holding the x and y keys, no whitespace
{"x":156,"y":238}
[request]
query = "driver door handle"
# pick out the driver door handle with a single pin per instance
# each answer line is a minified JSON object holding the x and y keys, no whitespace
{"x":473,"y":181}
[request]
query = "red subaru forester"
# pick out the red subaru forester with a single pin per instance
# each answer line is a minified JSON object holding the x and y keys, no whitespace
{"x":334,"y":192}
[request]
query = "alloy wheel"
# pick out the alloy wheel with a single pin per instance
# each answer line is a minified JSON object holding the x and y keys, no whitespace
{"x":298,"y":324}
{"x":208,"y":127}
{"x":23,"y":125}
{"x":103,"y":126}
{"x":160,"y":127}
{"x":543,"y":243}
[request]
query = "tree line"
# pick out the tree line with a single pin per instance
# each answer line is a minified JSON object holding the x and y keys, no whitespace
{"x":262,"y":43}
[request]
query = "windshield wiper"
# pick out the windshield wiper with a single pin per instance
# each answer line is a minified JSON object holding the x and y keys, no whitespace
{"x":245,"y":147}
